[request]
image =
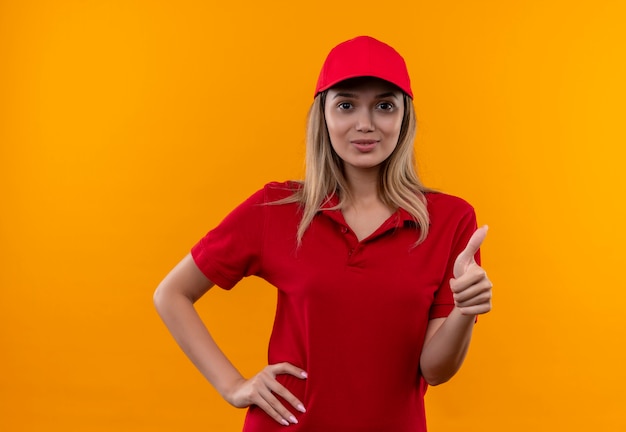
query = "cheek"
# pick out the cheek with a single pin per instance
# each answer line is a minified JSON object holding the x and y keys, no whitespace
{"x":335,"y":126}
{"x":393,"y":126}
{"x":331,"y":118}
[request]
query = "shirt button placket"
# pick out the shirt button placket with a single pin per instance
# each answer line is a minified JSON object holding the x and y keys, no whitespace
{"x":351,"y":239}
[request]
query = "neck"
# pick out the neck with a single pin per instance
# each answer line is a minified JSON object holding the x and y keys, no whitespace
{"x":363,"y":185}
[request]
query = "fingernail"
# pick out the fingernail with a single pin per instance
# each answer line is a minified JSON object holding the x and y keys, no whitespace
{"x":304,"y":374}
{"x":301,"y":408}
{"x":293,"y":420}
{"x":284,"y":422}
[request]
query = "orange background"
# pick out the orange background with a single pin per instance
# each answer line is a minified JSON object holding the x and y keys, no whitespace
{"x":130,"y":128}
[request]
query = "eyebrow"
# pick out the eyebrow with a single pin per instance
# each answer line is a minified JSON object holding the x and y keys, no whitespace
{"x":355,"y":96}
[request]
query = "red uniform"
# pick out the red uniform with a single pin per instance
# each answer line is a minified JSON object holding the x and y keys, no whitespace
{"x":353,"y":314}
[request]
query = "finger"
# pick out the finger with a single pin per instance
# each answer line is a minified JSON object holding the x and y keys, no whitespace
{"x":277,"y":388}
{"x":288,"y":368}
{"x":480,"y":291}
{"x":472,"y":276}
{"x":466,"y":257}
{"x":476,"y":310}
{"x":277,"y":405}
{"x":483,"y":297}
{"x":471,"y":287}
{"x":476,"y":299}
{"x":272,"y":406}
{"x":474,"y":243}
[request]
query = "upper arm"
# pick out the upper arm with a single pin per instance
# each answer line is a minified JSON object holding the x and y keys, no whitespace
{"x":185,"y":279}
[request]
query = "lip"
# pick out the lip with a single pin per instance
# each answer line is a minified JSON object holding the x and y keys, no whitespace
{"x":364,"y":141}
{"x":364,"y":145}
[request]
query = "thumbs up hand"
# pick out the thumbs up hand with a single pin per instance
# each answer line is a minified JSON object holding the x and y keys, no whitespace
{"x":470,"y":286}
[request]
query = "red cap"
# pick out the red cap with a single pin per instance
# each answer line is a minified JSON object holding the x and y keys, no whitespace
{"x":360,"y":57}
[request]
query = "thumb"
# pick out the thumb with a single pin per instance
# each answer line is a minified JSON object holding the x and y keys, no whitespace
{"x":466,"y":257}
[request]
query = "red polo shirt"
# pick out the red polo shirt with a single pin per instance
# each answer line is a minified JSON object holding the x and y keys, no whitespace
{"x":353,"y":314}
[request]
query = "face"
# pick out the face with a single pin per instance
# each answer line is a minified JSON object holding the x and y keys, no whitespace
{"x":364,"y":117}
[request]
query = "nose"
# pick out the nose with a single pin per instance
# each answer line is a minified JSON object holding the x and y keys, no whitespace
{"x":364,"y":121}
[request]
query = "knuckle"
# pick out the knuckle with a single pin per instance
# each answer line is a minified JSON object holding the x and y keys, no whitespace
{"x":252,"y":392}
{"x":269,"y":372}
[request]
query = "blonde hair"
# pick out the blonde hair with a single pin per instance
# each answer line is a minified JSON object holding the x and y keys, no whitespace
{"x":399,"y":184}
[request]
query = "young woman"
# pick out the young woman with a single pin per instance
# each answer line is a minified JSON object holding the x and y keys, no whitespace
{"x":378,"y":278}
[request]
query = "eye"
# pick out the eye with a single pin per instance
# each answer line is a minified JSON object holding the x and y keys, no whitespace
{"x":344,"y":105}
{"x":385,"y":106}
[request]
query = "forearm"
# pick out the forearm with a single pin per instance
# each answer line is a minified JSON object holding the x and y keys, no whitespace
{"x":185,"y":325}
{"x":443,"y":353}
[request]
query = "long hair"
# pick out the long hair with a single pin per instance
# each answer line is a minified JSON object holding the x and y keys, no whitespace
{"x":398,"y":186}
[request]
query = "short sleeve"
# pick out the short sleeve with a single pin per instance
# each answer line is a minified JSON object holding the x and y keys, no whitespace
{"x":232,"y":250}
{"x":466,"y":225}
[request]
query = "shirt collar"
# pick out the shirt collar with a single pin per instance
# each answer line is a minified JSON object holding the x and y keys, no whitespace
{"x":400,"y":218}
